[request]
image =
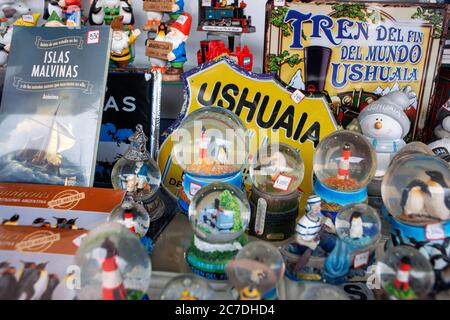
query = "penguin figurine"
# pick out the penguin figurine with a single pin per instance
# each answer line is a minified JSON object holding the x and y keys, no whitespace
{"x":414,"y":197}
{"x":126,"y":11}
{"x":53,"y":282}
{"x":13,"y":221}
{"x":41,"y":223}
{"x":71,"y":224}
{"x":356,"y":225}
{"x":25,"y":270}
{"x":438,"y":205}
{"x":8,"y":284}
{"x":33,"y":284}
{"x":159,"y":64}
{"x":60,"y":222}
{"x":222,"y":155}
{"x":96,"y":13}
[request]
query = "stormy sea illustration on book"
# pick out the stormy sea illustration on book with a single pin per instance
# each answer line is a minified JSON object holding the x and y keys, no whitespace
{"x":52,"y":105}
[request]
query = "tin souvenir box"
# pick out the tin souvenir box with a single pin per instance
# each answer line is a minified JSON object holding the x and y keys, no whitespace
{"x":56,"y":206}
{"x":37,"y":264}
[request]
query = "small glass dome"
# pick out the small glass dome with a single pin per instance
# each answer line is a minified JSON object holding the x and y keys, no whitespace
{"x":210,"y":141}
{"x":277,"y":169}
{"x":405,"y":273}
{"x":219,"y":212}
{"x":133,"y":216}
{"x":113,"y":264}
{"x":187,"y":287}
{"x":323,"y":291}
{"x":412,"y":148}
{"x":358,"y":224}
{"x":258,"y":264}
{"x":344,"y":161}
{"x":415,"y":189}
{"x":136,"y":171}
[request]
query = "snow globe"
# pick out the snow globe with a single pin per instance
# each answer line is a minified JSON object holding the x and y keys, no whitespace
{"x":276,"y":174}
{"x":113,"y":265}
{"x":187,"y":287}
{"x":256,"y":271}
{"x":133,"y":216}
{"x":358,"y":228}
{"x":210,"y":145}
{"x":415,"y":192}
{"x":322,"y":291}
{"x":344,"y":163}
{"x":138,"y":174}
{"x":405,"y":274}
{"x":219,"y":214}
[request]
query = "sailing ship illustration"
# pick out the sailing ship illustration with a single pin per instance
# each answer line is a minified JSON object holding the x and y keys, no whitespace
{"x":44,"y":151}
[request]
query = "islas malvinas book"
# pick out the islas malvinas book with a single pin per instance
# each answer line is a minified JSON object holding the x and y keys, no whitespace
{"x":51,"y":109}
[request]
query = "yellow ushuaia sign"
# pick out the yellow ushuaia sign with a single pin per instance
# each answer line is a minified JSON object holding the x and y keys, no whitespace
{"x":358,"y":51}
{"x":265,"y":107}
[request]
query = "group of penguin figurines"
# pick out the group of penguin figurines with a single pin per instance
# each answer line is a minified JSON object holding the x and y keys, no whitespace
{"x":61,"y":223}
{"x":427,"y":199}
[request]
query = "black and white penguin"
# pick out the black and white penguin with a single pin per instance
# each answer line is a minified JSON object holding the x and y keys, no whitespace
{"x":356,"y":225}
{"x":60,"y":222}
{"x":8,"y":284}
{"x":414,"y":198}
{"x":41,"y":222}
{"x":438,"y":205}
{"x":13,"y":221}
{"x":33,"y":284}
{"x":53,"y":282}
{"x":96,"y":13}
{"x":126,"y":11}
{"x":71,"y":224}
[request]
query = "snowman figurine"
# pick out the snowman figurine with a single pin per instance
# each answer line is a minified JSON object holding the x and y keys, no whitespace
{"x":384,"y":123}
{"x":442,"y":130}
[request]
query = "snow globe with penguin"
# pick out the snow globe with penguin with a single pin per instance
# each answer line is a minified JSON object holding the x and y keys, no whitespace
{"x":210,"y":145}
{"x":219,"y":214}
{"x":416,"y":202}
{"x":358,"y":229}
{"x":344,"y":164}
{"x":276,"y":174}
{"x":187,"y":287}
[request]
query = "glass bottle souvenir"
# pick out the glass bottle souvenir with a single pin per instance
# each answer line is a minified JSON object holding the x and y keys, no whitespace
{"x":187,"y":287}
{"x":133,"y":216}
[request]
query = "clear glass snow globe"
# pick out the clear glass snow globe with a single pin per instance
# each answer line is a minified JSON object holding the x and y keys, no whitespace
{"x":133,"y":216}
{"x":219,"y":213}
{"x":136,"y":172}
{"x":412,"y":148}
{"x":405,"y":273}
{"x":415,"y":189}
{"x":358,"y":224}
{"x":113,"y":264}
{"x":187,"y":287}
{"x":323,"y":291}
{"x":210,"y":141}
{"x":277,"y":169}
{"x":258,"y":264}
{"x":344,"y":161}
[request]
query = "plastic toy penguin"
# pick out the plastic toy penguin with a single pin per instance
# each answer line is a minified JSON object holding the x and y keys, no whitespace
{"x":249,"y":293}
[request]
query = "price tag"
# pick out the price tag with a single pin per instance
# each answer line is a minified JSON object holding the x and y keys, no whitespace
{"x":206,"y":3}
{"x":282,"y":183}
{"x":93,"y":36}
{"x":260,"y":218}
{"x":279,"y":3}
{"x":434,"y":231}
{"x":361,"y":259}
{"x":297,"y":96}
{"x":28,"y":18}
{"x":193,"y":188}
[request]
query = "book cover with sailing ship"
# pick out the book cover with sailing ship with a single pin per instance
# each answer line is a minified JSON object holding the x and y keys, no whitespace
{"x":52,"y":104}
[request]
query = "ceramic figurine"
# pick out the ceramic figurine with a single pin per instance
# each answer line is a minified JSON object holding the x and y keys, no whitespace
{"x":54,"y":21}
{"x":384,"y":123}
{"x":68,"y":11}
{"x":178,"y":35}
{"x":104,"y":12}
{"x":122,"y":43}
{"x":442,"y":130}
{"x":187,"y":287}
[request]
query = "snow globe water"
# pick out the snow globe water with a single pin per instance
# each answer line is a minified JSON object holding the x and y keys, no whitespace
{"x":405,"y":274}
{"x":344,"y":163}
{"x":187,"y":287}
{"x":133,"y":216}
{"x":219,"y":214}
{"x":416,"y":198}
{"x":113,"y":265}
{"x":258,"y":267}
{"x":358,"y":228}
{"x":276,"y":174}
{"x":210,"y":145}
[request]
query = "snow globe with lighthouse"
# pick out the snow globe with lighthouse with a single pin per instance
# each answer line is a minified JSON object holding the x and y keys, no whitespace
{"x":219,"y":214}
{"x":210,"y":145}
{"x":344,"y":164}
{"x":416,"y":203}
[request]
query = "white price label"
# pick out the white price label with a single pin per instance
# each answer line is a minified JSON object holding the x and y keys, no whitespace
{"x":434,"y":231}
{"x":260,"y":218}
{"x":193,"y":188}
{"x":282,"y":182}
{"x":28,"y":18}
{"x":361,"y":259}
{"x":297,"y":96}
{"x":279,"y":3}
{"x":206,"y":3}
{"x":93,"y":36}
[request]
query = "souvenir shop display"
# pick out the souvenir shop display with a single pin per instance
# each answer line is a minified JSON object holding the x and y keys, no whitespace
{"x":59,"y":207}
{"x":103,"y":12}
{"x":122,"y":45}
{"x":69,"y":12}
{"x":187,"y":287}
{"x":405,"y":274}
{"x":113,"y":265}
{"x":276,"y":174}
{"x":37,"y":263}
{"x":219,"y":214}
{"x":415,"y":191}
{"x":344,"y":164}
{"x":210,"y":146}
{"x":256,"y":271}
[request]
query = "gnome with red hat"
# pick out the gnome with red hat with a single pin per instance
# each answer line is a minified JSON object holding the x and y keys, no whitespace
{"x":178,"y":34}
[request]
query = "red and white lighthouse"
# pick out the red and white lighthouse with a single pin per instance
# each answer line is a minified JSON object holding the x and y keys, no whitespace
{"x":112,"y":282}
{"x":401,"y":281}
{"x":344,"y":163}
{"x":128,"y":221}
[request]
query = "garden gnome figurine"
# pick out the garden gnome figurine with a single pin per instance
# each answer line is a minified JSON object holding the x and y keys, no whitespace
{"x":178,"y":34}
